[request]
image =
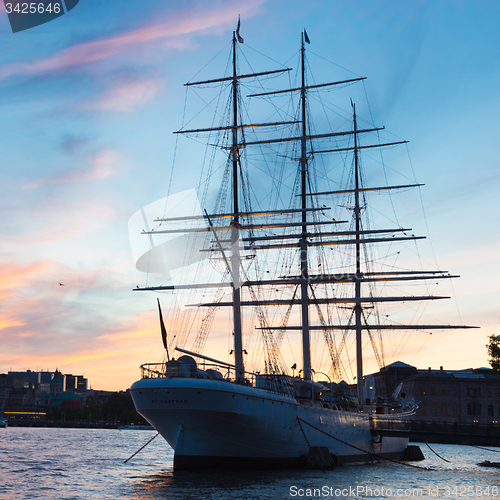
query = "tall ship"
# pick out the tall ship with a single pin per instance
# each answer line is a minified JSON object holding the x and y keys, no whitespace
{"x":283,"y":259}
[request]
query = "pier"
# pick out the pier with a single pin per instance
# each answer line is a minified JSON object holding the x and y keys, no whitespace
{"x":439,"y":432}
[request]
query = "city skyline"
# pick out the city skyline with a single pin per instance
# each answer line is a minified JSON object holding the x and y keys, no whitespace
{"x":88,"y":106}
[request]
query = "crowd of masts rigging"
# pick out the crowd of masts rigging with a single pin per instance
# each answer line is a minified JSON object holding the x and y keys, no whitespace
{"x":308,"y":237}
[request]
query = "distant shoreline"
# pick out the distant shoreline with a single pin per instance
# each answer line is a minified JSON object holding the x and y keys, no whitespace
{"x":76,"y":425}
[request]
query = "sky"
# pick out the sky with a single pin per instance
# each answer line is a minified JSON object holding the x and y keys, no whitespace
{"x":88,"y":104}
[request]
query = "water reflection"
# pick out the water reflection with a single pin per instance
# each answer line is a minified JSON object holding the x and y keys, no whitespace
{"x":83,"y":464}
{"x":248,"y":485}
{"x":459,"y":477}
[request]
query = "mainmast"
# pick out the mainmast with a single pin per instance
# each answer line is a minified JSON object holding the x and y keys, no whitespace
{"x":304,"y":271}
{"x":357,"y":275}
{"x":235,"y":251}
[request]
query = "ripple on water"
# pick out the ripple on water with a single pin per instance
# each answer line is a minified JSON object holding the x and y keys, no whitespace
{"x":81,"y":464}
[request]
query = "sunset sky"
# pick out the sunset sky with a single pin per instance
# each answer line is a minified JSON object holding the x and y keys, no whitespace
{"x":88,"y":104}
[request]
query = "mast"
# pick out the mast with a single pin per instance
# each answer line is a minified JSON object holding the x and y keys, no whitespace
{"x":306,"y":235}
{"x":304,"y":271}
{"x":235,"y":253}
{"x":357,"y":275}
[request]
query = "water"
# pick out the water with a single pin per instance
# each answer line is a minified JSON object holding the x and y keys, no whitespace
{"x":39,"y":463}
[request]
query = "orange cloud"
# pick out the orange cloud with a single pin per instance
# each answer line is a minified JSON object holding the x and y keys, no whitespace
{"x":14,"y":275}
{"x":6,"y":322}
{"x":109,"y":360}
{"x":83,"y":54}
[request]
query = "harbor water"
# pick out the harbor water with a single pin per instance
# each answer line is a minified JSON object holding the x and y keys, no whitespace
{"x":52,"y":463}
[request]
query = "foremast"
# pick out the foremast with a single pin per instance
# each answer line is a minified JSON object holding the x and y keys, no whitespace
{"x":235,"y":226}
{"x":235,"y":233}
{"x":304,"y":270}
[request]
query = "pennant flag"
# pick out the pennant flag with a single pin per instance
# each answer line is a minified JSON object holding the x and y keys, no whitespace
{"x":240,"y":39}
{"x":163,"y":330}
{"x":306,"y":38}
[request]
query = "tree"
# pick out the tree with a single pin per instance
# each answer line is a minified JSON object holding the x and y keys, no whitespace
{"x":120,"y":406}
{"x":493,"y":347}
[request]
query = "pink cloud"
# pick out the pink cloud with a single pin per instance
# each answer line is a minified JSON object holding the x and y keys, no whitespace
{"x":127,"y":96}
{"x":58,"y":219}
{"x":38,"y":336}
{"x":82,"y":54}
{"x":14,"y":275}
{"x":101,"y":165}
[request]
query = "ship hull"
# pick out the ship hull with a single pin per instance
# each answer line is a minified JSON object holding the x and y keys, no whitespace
{"x":211,"y":424}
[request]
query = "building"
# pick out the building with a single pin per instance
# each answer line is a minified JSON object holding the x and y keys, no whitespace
{"x":36,"y":391}
{"x":384,"y":383}
{"x":69,"y":382}
{"x":66,"y":401}
{"x":56,"y":384}
{"x":52,"y":383}
{"x":14,"y":392}
{"x":470,"y":396}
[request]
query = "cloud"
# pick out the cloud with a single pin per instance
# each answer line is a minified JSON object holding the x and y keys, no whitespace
{"x":85,"y":327}
{"x":83,"y":54}
{"x":54,"y":219}
{"x":101,"y":165}
{"x":71,"y":144}
{"x":15,"y":281}
{"x":126,"y":96}
{"x":39,"y":305}
{"x":12,"y":274}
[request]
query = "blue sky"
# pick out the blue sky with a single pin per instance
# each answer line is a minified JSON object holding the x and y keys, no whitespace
{"x":88,"y":103}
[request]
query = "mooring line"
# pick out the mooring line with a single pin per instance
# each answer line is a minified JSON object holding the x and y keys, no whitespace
{"x":436,"y":453}
{"x":141,"y":448}
{"x":363,"y":451}
{"x":307,"y":441}
{"x":303,"y":432}
{"x":486,"y":449}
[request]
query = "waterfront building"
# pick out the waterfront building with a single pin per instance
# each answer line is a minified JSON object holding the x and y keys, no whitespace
{"x":66,"y":401}
{"x":52,"y":383}
{"x":81,"y":383}
{"x":14,"y":393}
{"x":69,"y":382}
{"x":469,"y":396}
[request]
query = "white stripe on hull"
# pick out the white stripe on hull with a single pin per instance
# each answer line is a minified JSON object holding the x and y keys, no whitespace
{"x":209,"y":418}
